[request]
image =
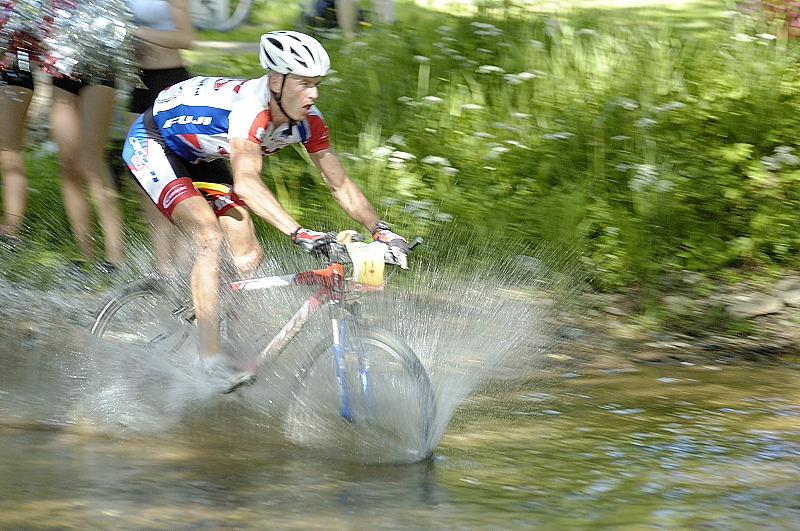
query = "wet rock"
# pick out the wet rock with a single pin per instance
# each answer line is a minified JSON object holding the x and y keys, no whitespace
{"x":613,"y":310}
{"x":753,"y":305}
{"x":791,"y":297}
{"x":787,"y":284}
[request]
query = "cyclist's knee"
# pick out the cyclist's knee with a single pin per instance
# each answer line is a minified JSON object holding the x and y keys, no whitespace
{"x":208,"y":240}
{"x":249,"y":260}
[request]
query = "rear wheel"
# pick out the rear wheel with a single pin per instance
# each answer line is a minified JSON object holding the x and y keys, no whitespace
{"x":144,"y":314}
{"x":375,"y":405}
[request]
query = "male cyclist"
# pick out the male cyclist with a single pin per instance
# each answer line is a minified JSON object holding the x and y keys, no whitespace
{"x":193,"y":124}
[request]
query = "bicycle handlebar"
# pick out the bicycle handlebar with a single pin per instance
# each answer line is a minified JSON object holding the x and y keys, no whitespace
{"x":336,"y":252}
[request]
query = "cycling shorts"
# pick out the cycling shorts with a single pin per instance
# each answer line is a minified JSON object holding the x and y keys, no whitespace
{"x":169,"y":179}
{"x":17,"y":77}
{"x":155,"y":81}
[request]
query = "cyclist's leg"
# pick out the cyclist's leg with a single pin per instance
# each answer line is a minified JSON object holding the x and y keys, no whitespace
{"x":195,"y":217}
{"x":245,"y":250}
{"x":15,"y":98}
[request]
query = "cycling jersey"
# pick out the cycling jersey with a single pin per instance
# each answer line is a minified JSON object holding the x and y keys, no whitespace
{"x":198,"y":117}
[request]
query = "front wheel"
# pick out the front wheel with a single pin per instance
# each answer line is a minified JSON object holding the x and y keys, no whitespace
{"x":370,"y":400}
{"x":144,"y":314}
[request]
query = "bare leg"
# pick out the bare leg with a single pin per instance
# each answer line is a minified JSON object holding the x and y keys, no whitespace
{"x":242,"y":243}
{"x":65,"y":130}
{"x":164,"y":236}
{"x":195,"y":217}
{"x":14,"y":103}
{"x":346,"y":17}
{"x":96,"y":108}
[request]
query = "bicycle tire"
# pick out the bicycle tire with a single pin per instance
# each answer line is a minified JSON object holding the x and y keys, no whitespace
{"x":398,"y":411}
{"x":143,"y":313}
{"x":239,"y":15}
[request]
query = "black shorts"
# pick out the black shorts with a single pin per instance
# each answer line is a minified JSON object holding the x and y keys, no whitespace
{"x":155,"y":81}
{"x":74,"y":87}
{"x":17,"y":77}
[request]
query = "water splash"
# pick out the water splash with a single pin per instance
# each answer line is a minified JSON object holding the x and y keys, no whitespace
{"x":467,"y":324}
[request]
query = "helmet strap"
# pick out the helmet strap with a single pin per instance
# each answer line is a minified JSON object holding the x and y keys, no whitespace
{"x":277,"y":97}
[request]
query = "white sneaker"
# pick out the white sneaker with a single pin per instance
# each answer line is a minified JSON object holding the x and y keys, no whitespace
{"x":222,"y":367}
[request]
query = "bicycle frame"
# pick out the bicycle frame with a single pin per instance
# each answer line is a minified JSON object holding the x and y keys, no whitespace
{"x":332,"y":288}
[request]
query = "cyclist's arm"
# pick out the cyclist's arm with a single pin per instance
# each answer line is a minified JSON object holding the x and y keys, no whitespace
{"x":180,"y":38}
{"x":344,"y":189}
{"x":246,"y":163}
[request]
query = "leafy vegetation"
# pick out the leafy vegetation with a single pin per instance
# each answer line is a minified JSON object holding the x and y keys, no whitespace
{"x":652,"y":140}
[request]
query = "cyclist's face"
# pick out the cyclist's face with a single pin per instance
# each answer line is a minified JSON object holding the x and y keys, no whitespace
{"x":299,"y":94}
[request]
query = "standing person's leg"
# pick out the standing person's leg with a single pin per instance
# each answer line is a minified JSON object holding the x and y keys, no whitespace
{"x":96,"y":109}
{"x":14,"y":103}
{"x":66,"y":132}
{"x":195,"y":217}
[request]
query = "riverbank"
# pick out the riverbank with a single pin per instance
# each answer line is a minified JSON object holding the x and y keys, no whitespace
{"x":738,"y":323}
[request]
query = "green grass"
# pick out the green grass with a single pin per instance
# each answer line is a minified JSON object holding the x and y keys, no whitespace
{"x":651,"y":138}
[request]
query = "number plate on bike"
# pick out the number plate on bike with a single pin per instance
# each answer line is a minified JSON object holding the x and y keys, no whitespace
{"x":368,"y":264}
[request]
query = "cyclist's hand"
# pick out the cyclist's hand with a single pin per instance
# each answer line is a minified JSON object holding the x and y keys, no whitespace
{"x":396,"y":246}
{"x":311,"y":240}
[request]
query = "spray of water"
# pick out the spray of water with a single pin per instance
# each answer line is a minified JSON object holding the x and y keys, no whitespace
{"x":466,"y":317}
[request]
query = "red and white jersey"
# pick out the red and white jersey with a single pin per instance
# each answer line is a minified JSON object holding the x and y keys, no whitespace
{"x":197,"y":119}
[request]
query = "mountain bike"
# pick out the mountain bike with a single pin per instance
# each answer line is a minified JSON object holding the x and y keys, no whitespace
{"x":356,"y":369}
{"x":219,"y":15}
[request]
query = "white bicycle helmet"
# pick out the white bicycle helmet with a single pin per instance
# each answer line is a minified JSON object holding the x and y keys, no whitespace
{"x":292,"y":52}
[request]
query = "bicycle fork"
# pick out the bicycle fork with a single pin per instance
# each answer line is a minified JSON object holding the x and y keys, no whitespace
{"x":340,"y":349}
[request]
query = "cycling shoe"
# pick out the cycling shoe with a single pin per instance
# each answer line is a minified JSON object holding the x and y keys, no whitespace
{"x":220,"y":367}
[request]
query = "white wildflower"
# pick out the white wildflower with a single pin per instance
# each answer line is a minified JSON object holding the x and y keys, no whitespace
{"x":432,"y":99}
{"x":730,"y":13}
{"x":522,"y":115}
{"x":627,"y":104}
{"x":586,"y":31}
{"x":620,"y":138}
{"x":404,"y":99}
{"x":611,"y":230}
{"x":641,"y":123}
{"x":396,"y":139}
{"x":421,"y":59}
{"x":513,"y":79}
{"x":471,"y":107}
{"x":537,"y":44}
{"x":444,"y":29}
{"x":443,"y":216}
{"x":670,"y":106}
{"x":430,"y":130}
{"x":483,"y":134}
{"x":403,"y":155}
{"x":500,"y":149}
{"x":489,"y":168}
{"x":449,"y":170}
{"x":381,"y":151}
{"x":503,"y":125}
{"x":433,"y":159}
{"x":517,"y":144}
{"x":483,"y":50}
{"x":767,"y":36}
{"x":560,"y":135}
{"x":741,"y":37}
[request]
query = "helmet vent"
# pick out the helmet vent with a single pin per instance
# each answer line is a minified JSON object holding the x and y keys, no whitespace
{"x":278,"y":44}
